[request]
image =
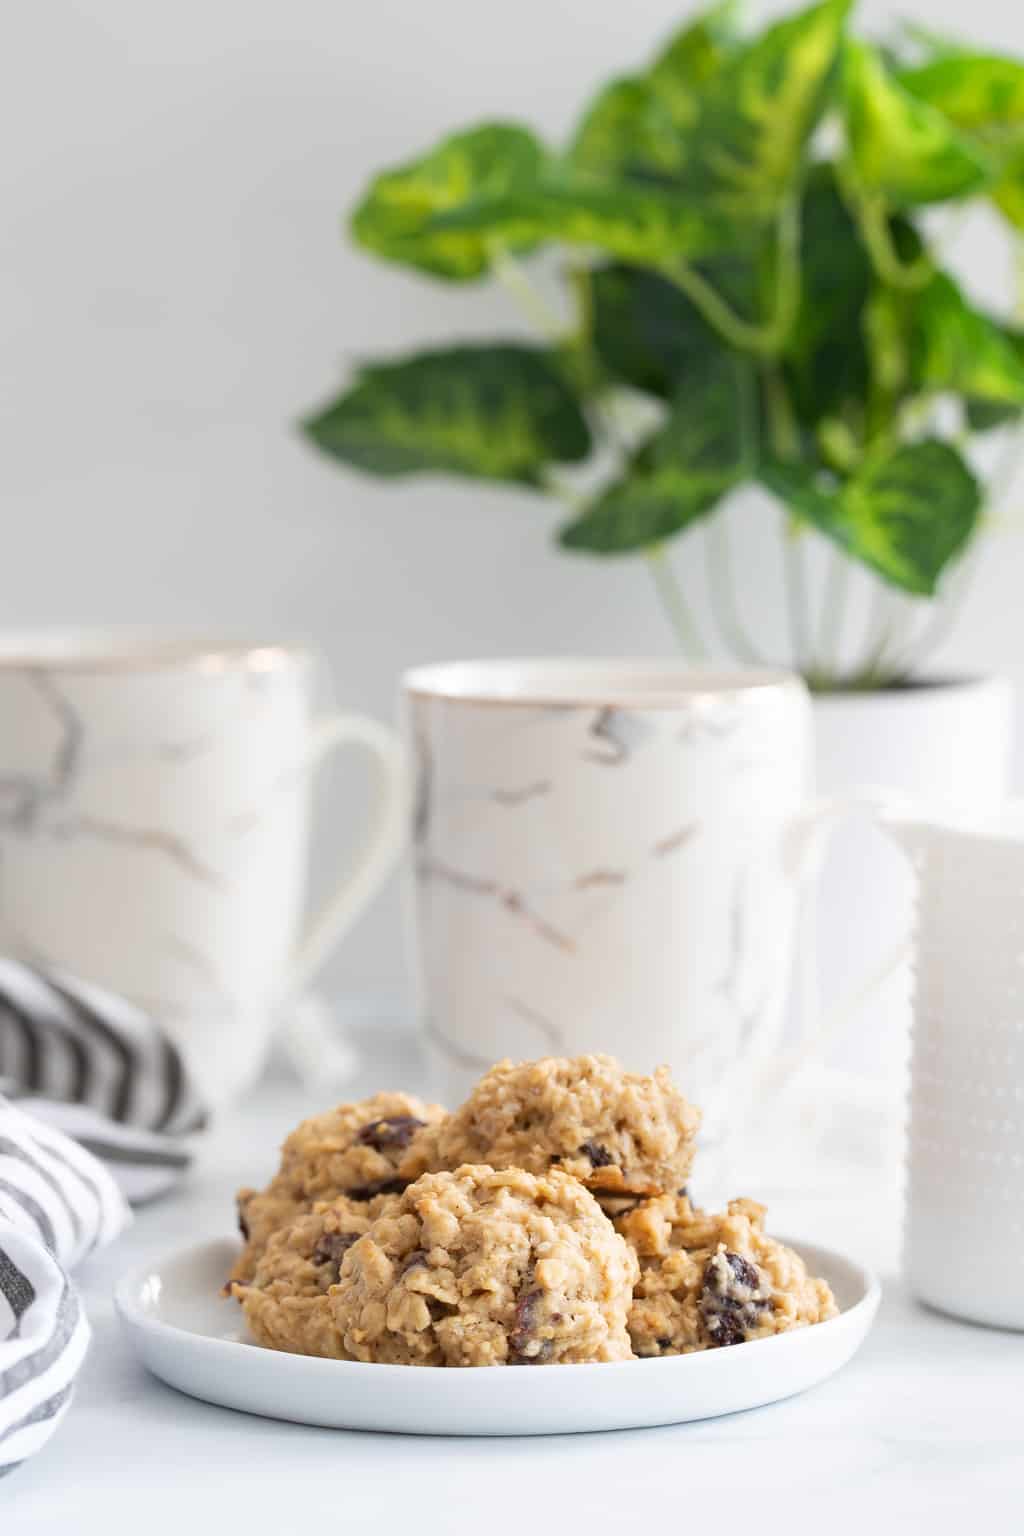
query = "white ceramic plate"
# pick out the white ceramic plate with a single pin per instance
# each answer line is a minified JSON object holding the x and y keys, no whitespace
{"x":196,"y":1341}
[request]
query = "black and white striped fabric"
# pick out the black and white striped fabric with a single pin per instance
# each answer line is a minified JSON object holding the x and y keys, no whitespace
{"x":43,"y":1339}
{"x":57,"y":1203}
{"x":75,"y":1043}
{"x":143,"y":1164}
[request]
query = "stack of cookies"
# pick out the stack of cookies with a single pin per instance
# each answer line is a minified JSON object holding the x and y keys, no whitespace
{"x":546,"y":1221}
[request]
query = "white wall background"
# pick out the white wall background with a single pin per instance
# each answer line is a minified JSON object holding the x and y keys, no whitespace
{"x":175,"y":290}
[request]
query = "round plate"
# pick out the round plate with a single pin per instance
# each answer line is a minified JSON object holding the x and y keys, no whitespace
{"x":195,"y":1340}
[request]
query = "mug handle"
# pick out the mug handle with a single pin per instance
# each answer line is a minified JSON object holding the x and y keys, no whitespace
{"x":818,"y":1028}
{"x":382,"y":845}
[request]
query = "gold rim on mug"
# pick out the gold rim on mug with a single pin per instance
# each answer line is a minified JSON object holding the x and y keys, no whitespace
{"x":582,"y":682}
{"x":130,"y":649}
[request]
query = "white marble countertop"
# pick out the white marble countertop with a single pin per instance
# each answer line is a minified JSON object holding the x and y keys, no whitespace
{"x":920,"y":1432}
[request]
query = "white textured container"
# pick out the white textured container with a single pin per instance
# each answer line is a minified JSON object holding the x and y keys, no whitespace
{"x":965,"y":1212}
{"x":943,"y":743}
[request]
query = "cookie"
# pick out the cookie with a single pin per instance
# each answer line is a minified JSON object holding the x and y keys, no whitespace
{"x":614,"y":1130}
{"x":360,"y":1150}
{"x":487,"y":1267}
{"x":285,"y":1303}
{"x":713,"y":1279}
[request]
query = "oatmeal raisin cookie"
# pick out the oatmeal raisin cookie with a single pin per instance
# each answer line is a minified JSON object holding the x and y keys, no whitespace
{"x":710,"y":1279}
{"x":285,"y":1302}
{"x":359,"y":1150}
{"x":485,"y":1267}
{"x":614,"y":1130}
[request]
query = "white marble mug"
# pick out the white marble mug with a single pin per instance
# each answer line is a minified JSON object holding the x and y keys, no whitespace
{"x":607,"y":857}
{"x":154,"y":827}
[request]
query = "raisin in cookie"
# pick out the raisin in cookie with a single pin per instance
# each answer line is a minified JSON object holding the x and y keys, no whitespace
{"x":359,"y":1150}
{"x":486,"y":1267}
{"x":610,"y":1128}
{"x":285,"y":1303}
{"x":710,"y":1279}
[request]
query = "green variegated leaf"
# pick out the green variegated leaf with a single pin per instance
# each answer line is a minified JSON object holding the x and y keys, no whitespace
{"x":488,"y":412}
{"x":757,"y":115}
{"x":906,"y":513}
{"x":646,"y":224}
{"x":679,"y":475}
{"x":912,"y":511}
{"x":974,"y":90}
{"x":826,"y":362}
{"x":744,"y":150}
{"x":637,"y":125}
{"x":901,"y":148}
{"x":643,"y":328}
{"x":935,"y":340}
{"x":732,"y":124}
{"x":1007,"y":190}
{"x":983,"y":416}
{"x":959,"y":348}
{"x":645,"y":331}
{"x":694,"y":54}
{"x":629,"y":132}
{"x":692,"y":58}
{"x":394,"y":217}
{"x":982,"y":93}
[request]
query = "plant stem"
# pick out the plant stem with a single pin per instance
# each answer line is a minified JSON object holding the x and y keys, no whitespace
{"x":764,"y":339}
{"x":868,"y":672}
{"x":902,"y":615}
{"x":783,"y":429}
{"x":583,"y":288}
{"x":722,"y":591}
{"x":833,"y":615}
{"x":581,"y":339}
{"x":1007,"y":468}
{"x":872,"y":217}
{"x":943,"y":621}
{"x":744,"y":335}
{"x":674,"y":603}
{"x":795,"y":579}
{"x":509,"y":272}
{"x":908,"y":277}
{"x":612,"y":418}
{"x":717,"y":544}
{"x":573,"y":500}
{"x":785,"y":443}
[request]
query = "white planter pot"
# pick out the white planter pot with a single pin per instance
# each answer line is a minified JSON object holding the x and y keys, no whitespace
{"x":944,"y":743}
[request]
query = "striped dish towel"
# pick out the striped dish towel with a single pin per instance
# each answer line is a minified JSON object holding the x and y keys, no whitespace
{"x":57,"y":1203}
{"x":142,"y":1163}
{"x":67,"y":1040}
{"x":98,"y":1068}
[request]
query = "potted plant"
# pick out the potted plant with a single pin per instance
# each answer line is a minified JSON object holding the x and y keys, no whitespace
{"x":751,"y":231}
